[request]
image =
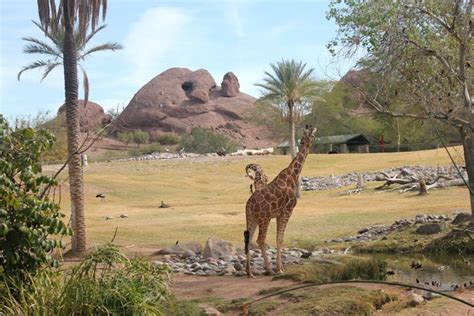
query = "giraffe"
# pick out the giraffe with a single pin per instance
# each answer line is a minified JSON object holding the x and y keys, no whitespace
{"x":259,"y":178}
{"x":275,"y":200}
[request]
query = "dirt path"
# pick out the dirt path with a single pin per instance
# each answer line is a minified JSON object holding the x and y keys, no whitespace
{"x":227,"y":287}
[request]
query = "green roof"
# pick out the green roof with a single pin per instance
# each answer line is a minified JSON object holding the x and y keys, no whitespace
{"x":335,"y":140}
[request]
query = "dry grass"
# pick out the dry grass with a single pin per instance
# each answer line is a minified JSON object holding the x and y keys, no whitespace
{"x":208,"y":196}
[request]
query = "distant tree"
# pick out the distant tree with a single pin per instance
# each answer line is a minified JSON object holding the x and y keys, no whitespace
{"x":290,"y":88}
{"x":420,"y":48}
{"x":55,"y":19}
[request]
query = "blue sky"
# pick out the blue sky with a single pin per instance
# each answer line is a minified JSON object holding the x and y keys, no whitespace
{"x":218,"y":35}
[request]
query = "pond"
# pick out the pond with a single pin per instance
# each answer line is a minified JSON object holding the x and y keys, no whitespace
{"x":443,"y":270}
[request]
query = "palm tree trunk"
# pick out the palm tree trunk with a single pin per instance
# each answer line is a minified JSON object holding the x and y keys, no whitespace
{"x":291,"y":122}
{"x":76,"y":185}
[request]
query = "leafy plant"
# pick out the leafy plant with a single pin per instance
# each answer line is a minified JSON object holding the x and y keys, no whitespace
{"x":105,"y":283}
{"x":169,"y":139}
{"x":28,"y":217}
{"x":141,"y":137}
{"x":204,"y":141}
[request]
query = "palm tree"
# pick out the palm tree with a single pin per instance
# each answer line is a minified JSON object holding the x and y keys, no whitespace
{"x":289,"y":88}
{"x":63,"y":18}
{"x":54,"y":52}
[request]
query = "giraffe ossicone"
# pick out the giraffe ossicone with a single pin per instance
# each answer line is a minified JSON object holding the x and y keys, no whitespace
{"x":275,"y":200}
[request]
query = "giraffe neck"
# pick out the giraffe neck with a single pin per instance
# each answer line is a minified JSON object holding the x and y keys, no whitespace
{"x":297,"y":163}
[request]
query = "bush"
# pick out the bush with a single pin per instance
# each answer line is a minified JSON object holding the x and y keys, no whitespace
{"x":105,"y":283}
{"x":204,"y":141}
{"x":27,"y":215}
{"x":169,"y":139}
{"x":141,"y":137}
{"x":150,"y":149}
{"x":138,"y":137}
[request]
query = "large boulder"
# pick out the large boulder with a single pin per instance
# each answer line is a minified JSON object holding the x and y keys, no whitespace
{"x":91,"y":115}
{"x":179,"y":99}
{"x":216,"y":247}
{"x":432,"y":228}
{"x":461,"y":218}
{"x":230,"y":85}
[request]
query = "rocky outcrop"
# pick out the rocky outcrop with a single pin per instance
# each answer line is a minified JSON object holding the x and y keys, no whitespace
{"x":180,"y":99}
{"x":91,"y":115}
{"x":216,"y":247}
{"x":230,"y":85}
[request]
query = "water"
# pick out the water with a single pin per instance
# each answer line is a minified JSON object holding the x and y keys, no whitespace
{"x":445,"y":269}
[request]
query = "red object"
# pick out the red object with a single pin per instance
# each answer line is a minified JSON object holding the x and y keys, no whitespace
{"x":381,"y":144}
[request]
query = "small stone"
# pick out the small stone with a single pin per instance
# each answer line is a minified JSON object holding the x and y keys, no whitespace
{"x":240,"y":273}
{"x":238,"y":266}
{"x":108,"y":217}
{"x":123,"y":215}
{"x":188,"y":254}
{"x":229,"y":270}
{"x":430,"y":295}
{"x":363,"y":230}
{"x":416,"y":299}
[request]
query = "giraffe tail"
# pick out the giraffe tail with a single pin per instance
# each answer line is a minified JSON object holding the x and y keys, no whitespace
{"x":246,"y":240}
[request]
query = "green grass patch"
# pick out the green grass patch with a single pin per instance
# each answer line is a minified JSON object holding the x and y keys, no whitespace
{"x":338,"y":300}
{"x":338,"y":269}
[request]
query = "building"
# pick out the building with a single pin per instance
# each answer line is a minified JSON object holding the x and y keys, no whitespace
{"x":350,"y":143}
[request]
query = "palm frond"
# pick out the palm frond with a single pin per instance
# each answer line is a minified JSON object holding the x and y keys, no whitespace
{"x":33,"y":65}
{"x":94,"y":32}
{"x":107,"y":46}
{"x":37,"y":46}
{"x":49,"y":68}
{"x":85,"y":82}
{"x":56,"y":38}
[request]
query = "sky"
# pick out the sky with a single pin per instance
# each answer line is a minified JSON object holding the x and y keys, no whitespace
{"x":219,"y":35}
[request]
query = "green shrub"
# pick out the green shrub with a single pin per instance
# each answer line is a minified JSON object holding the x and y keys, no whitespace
{"x":141,"y":137}
{"x":204,"y":141}
{"x":169,"y":139}
{"x":28,"y":217}
{"x":125,"y":137}
{"x":105,"y":283}
{"x":340,"y":269}
{"x":150,"y":149}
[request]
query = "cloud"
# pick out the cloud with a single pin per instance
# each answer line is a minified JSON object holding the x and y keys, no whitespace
{"x":153,"y":37}
{"x":236,"y":20}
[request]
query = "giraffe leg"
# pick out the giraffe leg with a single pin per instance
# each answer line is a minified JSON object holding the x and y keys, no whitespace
{"x":281,"y":226}
{"x":248,"y":235}
{"x":262,"y":235}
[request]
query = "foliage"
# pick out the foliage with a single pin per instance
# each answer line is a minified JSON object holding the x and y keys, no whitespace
{"x":423,"y":48}
{"x":150,"y":149}
{"x":203,"y":141}
{"x":138,"y":137}
{"x":290,"y":89}
{"x":28,"y":216}
{"x":105,"y":283}
{"x":55,"y":51}
{"x":169,"y":139}
{"x":339,"y":269}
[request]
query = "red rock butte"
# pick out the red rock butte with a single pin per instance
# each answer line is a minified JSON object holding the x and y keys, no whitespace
{"x":179,"y":99}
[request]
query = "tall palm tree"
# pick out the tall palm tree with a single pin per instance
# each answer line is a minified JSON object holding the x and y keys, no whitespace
{"x":54,"y":52}
{"x":63,"y":17}
{"x":290,"y":85}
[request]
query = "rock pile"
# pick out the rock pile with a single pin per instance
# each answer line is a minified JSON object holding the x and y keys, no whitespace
{"x":335,"y":181}
{"x":198,"y":264}
{"x":377,"y":231}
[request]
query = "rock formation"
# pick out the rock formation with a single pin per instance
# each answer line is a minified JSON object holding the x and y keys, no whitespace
{"x":91,"y":115}
{"x":230,"y":85}
{"x":180,"y":99}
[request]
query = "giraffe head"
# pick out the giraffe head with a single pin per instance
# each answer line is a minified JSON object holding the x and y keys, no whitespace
{"x":308,"y":136}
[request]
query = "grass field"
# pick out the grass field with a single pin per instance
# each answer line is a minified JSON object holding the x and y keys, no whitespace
{"x":208,"y":196}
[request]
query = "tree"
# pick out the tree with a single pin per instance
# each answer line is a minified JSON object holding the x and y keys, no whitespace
{"x":62,"y":18}
{"x":28,"y":218}
{"x":289,"y":89}
{"x":54,"y":52}
{"x":420,"y":48}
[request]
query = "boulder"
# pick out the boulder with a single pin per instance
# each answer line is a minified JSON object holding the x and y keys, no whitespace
{"x":461,"y":218}
{"x":432,"y":228}
{"x":179,"y":99}
{"x":91,"y":115}
{"x":216,"y":247}
{"x":230,"y":85}
{"x":193,"y":246}
{"x":174,"y":250}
